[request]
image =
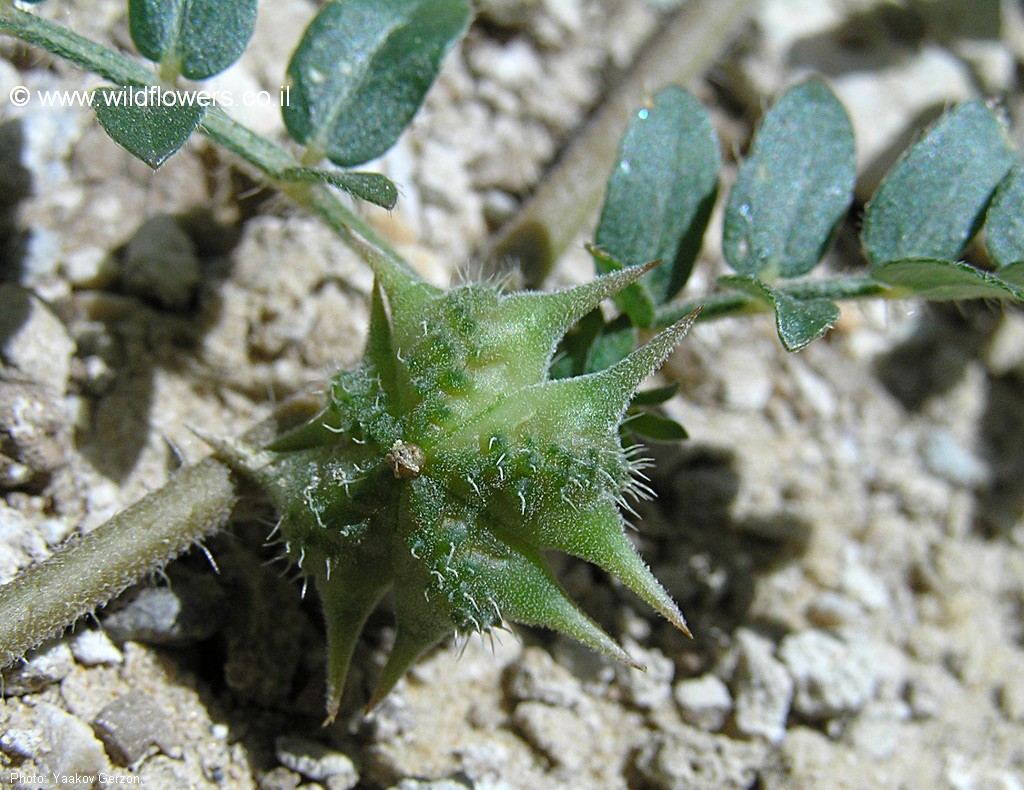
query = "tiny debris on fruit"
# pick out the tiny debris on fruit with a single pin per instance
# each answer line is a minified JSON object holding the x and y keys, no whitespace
{"x":405,"y":459}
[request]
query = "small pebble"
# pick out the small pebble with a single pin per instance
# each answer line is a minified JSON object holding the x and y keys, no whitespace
{"x":651,"y":688}
{"x":499,"y":207}
{"x":33,"y":340}
{"x":191,"y":609}
{"x":537,"y":678}
{"x":13,"y":474}
{"x":280,"y":778}
{"x":594,"y":672}
{"x":832,"y":676}
{"x":815,"y":391}
{"x":70,"y":746}
{"x":11,"y":562}
{"x":991,"y":62}
{"x":762,"y":689}
{"x":55,"y":530}
{"x":514,"y":65}
{"x":1005,"y":351}
{"x":831,"y":609}
{"x":561,"y":734}
{"x":423,"y":784}
{"x":133,"y":727}
{"x":20,"y":743}
{"x":315,"y":761}
{"x":41,"y":253}
{"x":864,"y":587}
{"x":43,"y":667}
{"x":876,"y":730}
{"x":92,"y":648}
{"x":484,"y":761}
{"x":925,"y":693}
{"x":746,"y":379}
{"x":947,"y":458}
{"x":704,"y":702}
{"x":94,"y":374}
{"x":89,"y":267}
{"x":33,"y":427}
{"x":689,"y":759}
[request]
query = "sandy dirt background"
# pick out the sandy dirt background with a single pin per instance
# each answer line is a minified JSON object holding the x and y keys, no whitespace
{"x":843,"y":529}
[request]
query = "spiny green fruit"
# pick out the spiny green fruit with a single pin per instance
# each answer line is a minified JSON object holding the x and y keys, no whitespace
{"x":447,"y":461}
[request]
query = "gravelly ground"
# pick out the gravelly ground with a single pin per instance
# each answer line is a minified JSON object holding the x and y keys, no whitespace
{"x":843,"y":528}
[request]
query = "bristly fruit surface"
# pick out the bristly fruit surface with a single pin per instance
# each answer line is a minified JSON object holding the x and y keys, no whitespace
{"x":447,"y":461}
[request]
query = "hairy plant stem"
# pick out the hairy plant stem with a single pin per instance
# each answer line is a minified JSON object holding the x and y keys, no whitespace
{"x":571,"y":193}
{"x":89,"y":571}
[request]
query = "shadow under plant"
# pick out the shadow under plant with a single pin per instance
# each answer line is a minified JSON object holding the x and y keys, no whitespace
{"x":933,"y":360}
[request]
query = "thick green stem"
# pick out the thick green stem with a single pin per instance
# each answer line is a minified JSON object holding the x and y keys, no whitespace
{"x":712,"y":306}
{"x":87,"y":573}
{"x":730,"y":303}
{"x":263,"y":154}
{"x":839,"y":288}
{"x":568,"y":198}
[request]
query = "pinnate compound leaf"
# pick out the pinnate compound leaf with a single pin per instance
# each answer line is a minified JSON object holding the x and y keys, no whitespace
{"x":659,"y":198}
{"x":794,"y":188}
{"x":1004,"y":225}
{"x":203,"y":36}
{"x":362,"y":70}
{"x":932,"y":202}
{"x":797,"y":321}
{"x":944,"y":280}
{"x":153,"y":131}
{"x":655,"y":427}
{"x":372,"y":187}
